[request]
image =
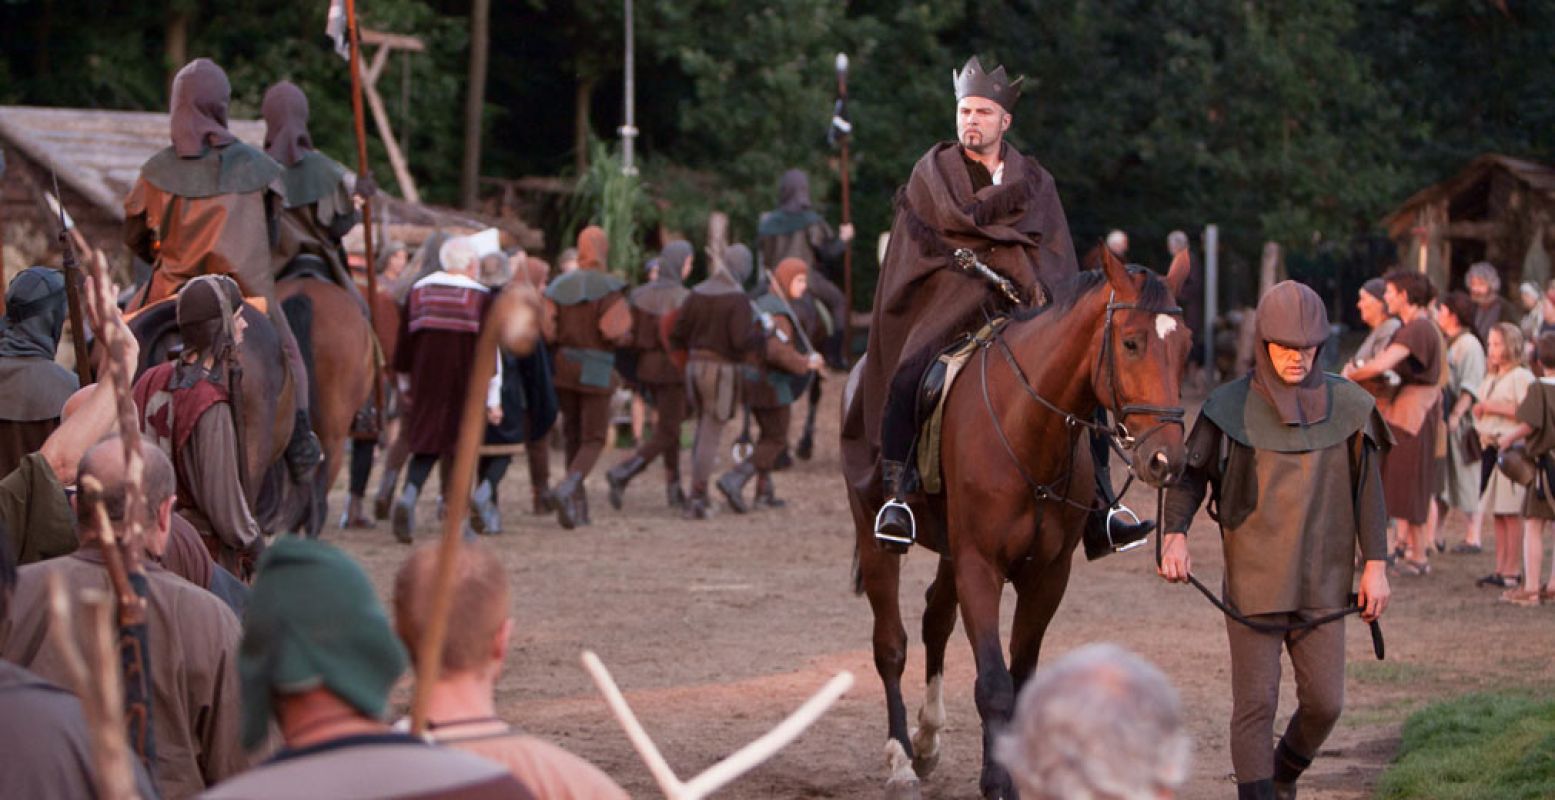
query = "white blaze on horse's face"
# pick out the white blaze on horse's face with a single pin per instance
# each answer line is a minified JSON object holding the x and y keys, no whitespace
{"x":1164,"y":325}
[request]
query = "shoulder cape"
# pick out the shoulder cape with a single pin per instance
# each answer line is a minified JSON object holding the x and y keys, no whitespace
{"x":770,"y":304}
{"x":782,"y":223}
{"x":1246,"y":417}
{"x":312,"y":177}
{"x":582,"y":286}
{"x":234,"y":169}
{"x":659,"y":297}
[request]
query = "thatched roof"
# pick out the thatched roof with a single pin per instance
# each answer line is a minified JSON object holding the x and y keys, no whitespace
{"x":99,"y":154}
{"x":1537,"y":178}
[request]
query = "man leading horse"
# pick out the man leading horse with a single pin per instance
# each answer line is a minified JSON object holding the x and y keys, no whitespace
{"x":978,"y":194}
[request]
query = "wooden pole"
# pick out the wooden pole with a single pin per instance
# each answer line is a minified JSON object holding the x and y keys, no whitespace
{"x":475,"y":103}
{"x":362,"y":169}
{"x":512,"y":321}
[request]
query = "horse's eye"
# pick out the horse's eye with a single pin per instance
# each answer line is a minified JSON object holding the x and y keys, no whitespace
{"x":1132,"y":346}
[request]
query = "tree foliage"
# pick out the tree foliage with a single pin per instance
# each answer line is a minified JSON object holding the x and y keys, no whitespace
{"x":1302,"y":123}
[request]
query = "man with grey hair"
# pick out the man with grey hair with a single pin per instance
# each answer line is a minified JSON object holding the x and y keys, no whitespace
{"x":1191,"y":299}
{"x":1484,"y":282}
{"x":1101,"y":723}
{"x":438,"y":332}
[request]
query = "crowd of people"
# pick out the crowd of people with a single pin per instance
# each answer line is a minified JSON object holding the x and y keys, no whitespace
{"x":1464,"y":380}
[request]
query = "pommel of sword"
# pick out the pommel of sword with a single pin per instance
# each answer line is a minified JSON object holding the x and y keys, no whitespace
{"x":967,"y":261}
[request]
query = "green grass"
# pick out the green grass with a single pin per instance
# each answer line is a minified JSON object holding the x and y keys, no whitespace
{"x":1492,"y":746}
{"x":1388,"y":672}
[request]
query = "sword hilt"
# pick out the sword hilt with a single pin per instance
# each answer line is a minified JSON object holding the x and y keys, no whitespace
{"x":967,"y":261}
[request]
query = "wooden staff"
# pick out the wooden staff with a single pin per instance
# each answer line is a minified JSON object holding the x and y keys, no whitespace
{"x":122,"y":554}
{"x":97,"y":685}
{"x":72,"y":274}
{"x":362,"y":171}
{"x":512,"y":321}
{"x":740,"y":762}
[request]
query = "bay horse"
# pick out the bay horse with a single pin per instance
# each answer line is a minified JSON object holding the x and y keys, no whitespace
{"x":1018,"y":482}
{"x":268,"y":408}
{"x":337,"y":343}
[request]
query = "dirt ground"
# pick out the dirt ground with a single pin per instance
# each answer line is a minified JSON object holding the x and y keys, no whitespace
{"x":717,"y":630}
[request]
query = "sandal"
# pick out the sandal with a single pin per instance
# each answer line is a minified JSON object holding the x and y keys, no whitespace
{"x":1498,"y":581}
{"x":1412,"y":569}
{"x":1522,"y":597}
{"x":1466,"y":549}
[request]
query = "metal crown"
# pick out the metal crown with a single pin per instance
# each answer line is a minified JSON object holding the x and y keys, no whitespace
{"x":974,"y":81}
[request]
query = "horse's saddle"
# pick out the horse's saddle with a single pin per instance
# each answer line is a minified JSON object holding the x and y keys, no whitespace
{"x":937,"y":380}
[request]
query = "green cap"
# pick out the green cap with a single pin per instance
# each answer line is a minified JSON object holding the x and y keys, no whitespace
{"x":314,"y":620}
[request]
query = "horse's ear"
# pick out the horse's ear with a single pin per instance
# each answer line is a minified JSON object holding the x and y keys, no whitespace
{"x":1178,"y":273}
{"x":1117,"y":274}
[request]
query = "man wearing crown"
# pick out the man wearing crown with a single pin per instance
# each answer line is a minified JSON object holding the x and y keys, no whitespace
{"x":978,"y":193}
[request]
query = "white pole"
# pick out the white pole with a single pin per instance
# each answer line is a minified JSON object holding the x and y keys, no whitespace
{"x":1211,"y":292}
{"x":629,"y":129}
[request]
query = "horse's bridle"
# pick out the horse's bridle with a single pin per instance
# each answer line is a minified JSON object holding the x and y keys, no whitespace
{"x":1118,"y":437}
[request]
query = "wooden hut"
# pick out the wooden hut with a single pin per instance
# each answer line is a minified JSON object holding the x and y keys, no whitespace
{"x":97,"y":156}
{"x":1497,"y":209}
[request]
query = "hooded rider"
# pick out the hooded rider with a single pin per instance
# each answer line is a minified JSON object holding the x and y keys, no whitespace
{"x":795,"y":230}
{"x":208,"y":205}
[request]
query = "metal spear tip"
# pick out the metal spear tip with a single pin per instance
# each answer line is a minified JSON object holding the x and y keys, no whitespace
{"x":842,"y":62}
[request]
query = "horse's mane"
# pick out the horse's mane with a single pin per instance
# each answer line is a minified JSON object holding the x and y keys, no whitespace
{"x":1153,"y":295}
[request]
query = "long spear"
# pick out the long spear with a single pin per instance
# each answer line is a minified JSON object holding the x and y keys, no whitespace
{"x":841,"y":131}
{"x":362,"y":171}
{"x":72,"y":270}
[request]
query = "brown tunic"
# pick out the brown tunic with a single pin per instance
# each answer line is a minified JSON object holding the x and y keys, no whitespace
{"x":1537,"y":410}
{"x":781,"y":354}
{"x":35,"y":509}
{"x":186,"y":233}
{"x":45,"y":750}
{"x":716,"y":326}
{"x":385,"y":766}
{"x":549,"y":771}
{"x":586,"y":334}
{"x":1293,"y":505}
{"x":194,"y":642}
{"x":1410,"y":469}
{"x":654,"y":366}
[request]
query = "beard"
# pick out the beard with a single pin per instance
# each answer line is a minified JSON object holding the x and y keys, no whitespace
{"x":978,"y":142}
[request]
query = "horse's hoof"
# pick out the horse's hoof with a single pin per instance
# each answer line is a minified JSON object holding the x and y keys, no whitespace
{"x":902,"y":790}
{"x":924,"y":763}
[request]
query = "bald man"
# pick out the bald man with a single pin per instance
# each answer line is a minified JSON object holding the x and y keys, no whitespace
{"x":193,"y":635}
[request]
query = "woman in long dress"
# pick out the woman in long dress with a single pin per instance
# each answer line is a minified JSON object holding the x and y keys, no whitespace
{"x":1465,"y":373}
{"x":1495,"y":418}
{"x":1413,"y":362}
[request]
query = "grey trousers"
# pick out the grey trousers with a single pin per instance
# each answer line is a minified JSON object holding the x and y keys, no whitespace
{"x":713,"y":394}
{"x":1317,"y":655}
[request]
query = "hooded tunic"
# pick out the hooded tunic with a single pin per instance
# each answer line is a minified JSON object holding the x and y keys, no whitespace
{"x":207,"y":203}
{"x":652,"y":305}
{"x":317,"y":209}
{"x":36,"y":386}
{"x":922,"y":302}
{"x":586,"y":317}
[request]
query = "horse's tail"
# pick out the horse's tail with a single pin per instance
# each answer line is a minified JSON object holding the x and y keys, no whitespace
{"x":299,"y":315}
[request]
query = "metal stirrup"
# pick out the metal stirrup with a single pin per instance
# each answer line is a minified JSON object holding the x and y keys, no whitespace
{"x":911,"y":520}
{"x":1117,"y":511}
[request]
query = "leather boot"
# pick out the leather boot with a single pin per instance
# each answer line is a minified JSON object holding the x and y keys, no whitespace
{"x":404,"y":514}
{"x":696,"y":506}
{"x":484,"y":514}
{"x":544,"y":501}
{"x":386,"y":486}
{"x":303,"y":452}
{"x":1114,"y":529}
{"x":1288,"y":766}
{"x":766,"y":492}
{"x":567,"y":511}
{"x":583,"y":505}
{"x":805,"y":447}
{"x":784,"y":461}
{"x":620,"y":475}
{"x":894,"y":527}
{"x":1255,"y":790}
{"x":354,"y":516}
{"x":732,"y":485}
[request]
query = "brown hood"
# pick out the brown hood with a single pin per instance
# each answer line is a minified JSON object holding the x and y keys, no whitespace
{"x":593,"y":248}
{"x":199,"y":108}
{"x":1292,"y":315}
{"x":285,"y":110}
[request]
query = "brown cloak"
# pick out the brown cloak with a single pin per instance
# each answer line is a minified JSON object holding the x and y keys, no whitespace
{"x":922,"y":302}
